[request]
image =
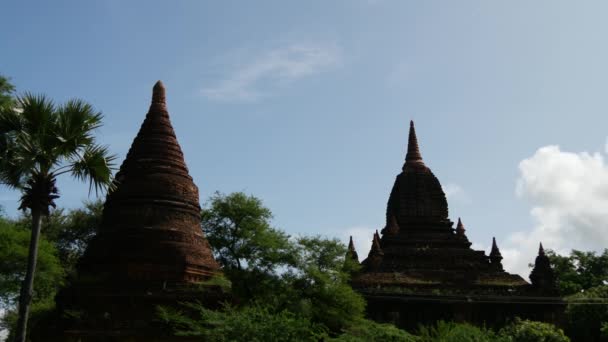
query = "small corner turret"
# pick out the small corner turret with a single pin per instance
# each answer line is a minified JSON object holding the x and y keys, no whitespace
{"x":496,"y":257}
{"x":542,"y":275}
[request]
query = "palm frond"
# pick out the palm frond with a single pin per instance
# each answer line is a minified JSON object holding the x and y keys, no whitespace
{"x":95,"y":165}
{"x":10,"y":120}
{"x":37,"y":112}
{"x":76,"y":121}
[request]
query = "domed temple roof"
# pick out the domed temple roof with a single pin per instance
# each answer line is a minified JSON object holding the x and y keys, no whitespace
{"x":416,"y":193}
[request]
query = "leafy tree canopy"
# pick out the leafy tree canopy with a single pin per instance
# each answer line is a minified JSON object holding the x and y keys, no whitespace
{"x":69,"y":230}
{"x":579,"y":271}
{"x":304,"y":275}
{"x":14,"y":244}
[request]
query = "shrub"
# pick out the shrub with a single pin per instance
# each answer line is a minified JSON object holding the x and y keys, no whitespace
{"x":455,"y":332}
{"x":585,"y":314}
{"x":250,"y":323}
{"x":367,"y":330}
{"x":531,"y":331}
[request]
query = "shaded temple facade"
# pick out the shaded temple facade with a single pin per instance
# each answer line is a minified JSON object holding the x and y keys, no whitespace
{"x":150,"y":247}
{"x":420,"y":269}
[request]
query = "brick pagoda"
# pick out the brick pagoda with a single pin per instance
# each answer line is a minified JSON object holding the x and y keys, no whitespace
{"x":421,"y":269}
{"x":150,"y":248}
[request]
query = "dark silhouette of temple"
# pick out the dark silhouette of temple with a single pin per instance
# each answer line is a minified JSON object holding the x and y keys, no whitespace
{"x":419,"y":269}
{"x":150,"y":248}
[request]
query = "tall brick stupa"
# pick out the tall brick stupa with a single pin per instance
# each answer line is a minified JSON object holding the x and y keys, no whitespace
{"x":150,"y":248}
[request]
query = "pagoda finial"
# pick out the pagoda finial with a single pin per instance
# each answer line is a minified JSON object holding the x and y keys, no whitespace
{"x":351,"y":245}
{"x":413,"y":158}
{"x":495,"y":250}
{"x":413,"y":151}
{"x":541,"y":250}
{"x":460,"y":228}
{"x":495,"y":256}
{"x":158,"y":93}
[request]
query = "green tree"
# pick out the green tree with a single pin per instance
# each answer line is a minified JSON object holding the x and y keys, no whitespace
{"x":70,"y":230}
{"x":318,"y":284}
{"x":40,"y":141}
{"x":579,"y":271}
{"x":586,"y":314}
{"x":250,"y":250}
{"x":305,"y":276}
{"x":6,"y":92}
{"x":14,"y":242}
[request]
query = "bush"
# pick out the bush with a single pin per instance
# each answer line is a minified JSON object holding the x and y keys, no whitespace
{"x":249,"y":323}
{"x":367,"y":330}
{"x":455,"y":332}
{"x":531,"y":331}
{"x":585,"y":314}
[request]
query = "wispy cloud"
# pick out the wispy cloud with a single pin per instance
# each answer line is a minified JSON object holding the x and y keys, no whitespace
{"x":455,"y":192}
{"x":272,"y":69}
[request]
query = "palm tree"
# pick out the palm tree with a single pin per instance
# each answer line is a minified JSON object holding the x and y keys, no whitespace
{"x":40,"y":141}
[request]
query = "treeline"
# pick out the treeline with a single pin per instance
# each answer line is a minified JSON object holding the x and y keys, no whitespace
{"x":285,"y":288}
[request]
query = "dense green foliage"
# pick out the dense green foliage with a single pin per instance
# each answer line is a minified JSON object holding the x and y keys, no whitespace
{"x":366,"y":330}
{"x":305,"y":276}
{"x":587,"y":313}
{"x":69,"y":230}
{"x":250,"y":323}
{"x":517,"y":331}
{"x":455,"y":332}
{"x":579,"y":271}
{"x":530,"y":331}
{"x":14,"y":244}
{"x":300,"y":289}
{"x":249,"y":249}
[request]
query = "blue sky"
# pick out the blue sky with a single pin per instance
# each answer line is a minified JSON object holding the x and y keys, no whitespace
{"x":306,"y":104}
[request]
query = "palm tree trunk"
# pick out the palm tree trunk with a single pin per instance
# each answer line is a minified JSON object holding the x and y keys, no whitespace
{"x":27,"y":287}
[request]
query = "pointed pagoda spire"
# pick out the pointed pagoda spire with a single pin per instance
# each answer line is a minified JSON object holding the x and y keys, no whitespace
{"x":375,"y":250}
{"x":495,"y":252}
{"x":541,"y":250}
{"x":351,"y":252}
{"x":460,"y":228}
{"x":495,"y":256}
{"x":413,"y":151}
{"x":413,"y":158}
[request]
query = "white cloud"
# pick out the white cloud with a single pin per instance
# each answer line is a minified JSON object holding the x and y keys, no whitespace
{"x":454,"y":192}
{"x":568,"y":193}
{"x":272,"y":69}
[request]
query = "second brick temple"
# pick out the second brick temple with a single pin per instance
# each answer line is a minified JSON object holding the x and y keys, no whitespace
{"x":421,"y":269}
